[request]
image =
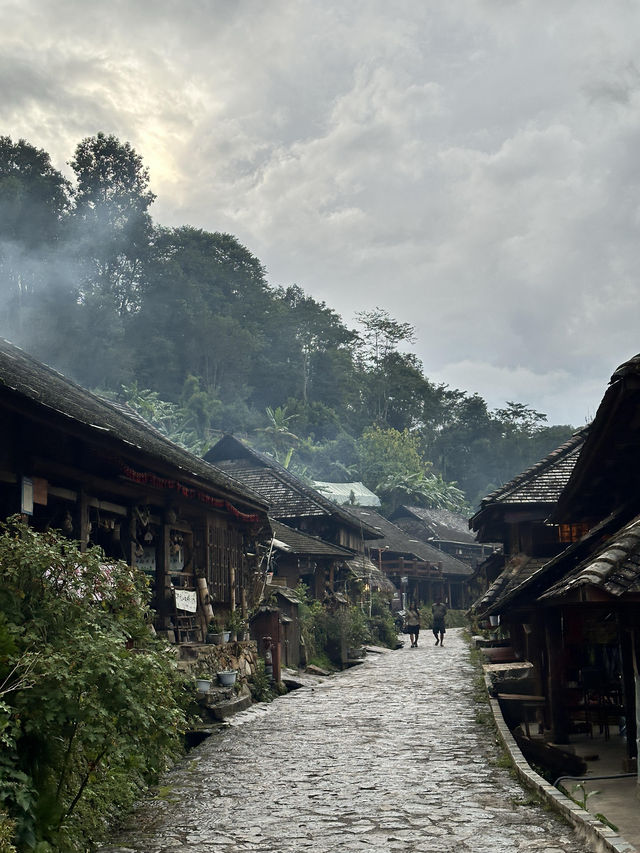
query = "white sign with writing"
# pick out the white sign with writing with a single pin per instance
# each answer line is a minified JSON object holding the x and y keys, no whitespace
{"x":186,"y":600}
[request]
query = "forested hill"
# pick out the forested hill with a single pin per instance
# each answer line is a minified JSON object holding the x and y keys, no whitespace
{"x":185,"y":326}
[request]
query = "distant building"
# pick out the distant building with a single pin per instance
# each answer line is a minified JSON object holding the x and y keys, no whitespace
{"x":348,"y":493}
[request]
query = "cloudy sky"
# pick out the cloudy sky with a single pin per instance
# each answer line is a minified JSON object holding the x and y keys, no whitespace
{"x":472,"y":166}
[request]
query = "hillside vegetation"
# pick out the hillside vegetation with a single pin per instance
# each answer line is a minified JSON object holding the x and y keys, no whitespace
{"x":184,"y":325}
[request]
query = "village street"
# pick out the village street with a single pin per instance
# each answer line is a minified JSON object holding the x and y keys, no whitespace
{"x":387,"y":756}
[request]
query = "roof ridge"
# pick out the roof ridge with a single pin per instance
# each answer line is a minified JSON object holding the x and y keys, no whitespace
{"x":563,"y":450}
{"x":292,"y":480}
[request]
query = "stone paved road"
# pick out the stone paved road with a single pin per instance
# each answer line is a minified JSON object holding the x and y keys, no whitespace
{"x":385,"y":757}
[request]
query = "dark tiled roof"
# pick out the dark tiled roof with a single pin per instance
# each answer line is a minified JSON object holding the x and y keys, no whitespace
{"x":285,"y":501}
{"x":397,"y":541}
{"x":303,"y":543}
{"x":288,"y":495}
{"x":543,"y":482}
{"x":28,"y":378}
{"x":609,"y":466}
{"x":444,"y":524}
{"x":519,"y":569}
{"x":613,"y":568}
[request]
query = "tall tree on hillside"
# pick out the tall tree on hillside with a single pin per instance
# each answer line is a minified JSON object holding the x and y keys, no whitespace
{"x":201,"y":314}
{"x":112,"y":199}
{"x":394,"y":390}
{"x":309,"y":349}
{"x":34,"y":202}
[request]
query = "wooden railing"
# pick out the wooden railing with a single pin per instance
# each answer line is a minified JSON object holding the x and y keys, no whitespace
{"x":412,"y":568}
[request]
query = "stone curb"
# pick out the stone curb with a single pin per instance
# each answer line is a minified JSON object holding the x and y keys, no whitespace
{"x":588,"y":828}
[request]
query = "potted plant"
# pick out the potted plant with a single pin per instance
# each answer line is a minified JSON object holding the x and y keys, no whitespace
{"x":227,"y":677}
{"x":203,"y":683}
{"x":236,"y":624}
{"x":216,"y":634}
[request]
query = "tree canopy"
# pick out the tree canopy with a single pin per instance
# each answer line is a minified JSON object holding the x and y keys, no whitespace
{"x":185,"y":324}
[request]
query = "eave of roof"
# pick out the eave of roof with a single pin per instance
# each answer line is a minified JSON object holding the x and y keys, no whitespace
{"x":230,"y":448}
{"x":304,"y":543}
{"x":541,"y":484}
{"x":613,"y":568}
{"x":396,"y":540}
{"x":27,"y":379}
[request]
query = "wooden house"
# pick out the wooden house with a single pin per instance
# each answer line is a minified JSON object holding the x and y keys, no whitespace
{"x":445,"y":530}
{"x":422,"y":571}
{"x":299,"y":506}
{"x":581,"y":607}
{"x":72,"y":460}
{"x":298,"y":557}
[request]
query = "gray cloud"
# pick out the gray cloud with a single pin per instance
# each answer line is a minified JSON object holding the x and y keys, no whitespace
{"x":471,"y":166}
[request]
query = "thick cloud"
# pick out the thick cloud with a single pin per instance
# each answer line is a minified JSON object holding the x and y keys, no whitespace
{"x":471,"y":166}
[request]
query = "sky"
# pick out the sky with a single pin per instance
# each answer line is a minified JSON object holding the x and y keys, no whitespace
{"x":470,"y":166}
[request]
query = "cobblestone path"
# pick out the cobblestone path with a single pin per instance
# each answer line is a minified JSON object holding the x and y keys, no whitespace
{"x":385,"y":757}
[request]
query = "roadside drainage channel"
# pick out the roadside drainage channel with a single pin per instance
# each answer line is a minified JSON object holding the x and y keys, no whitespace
{"x":588,"y":827}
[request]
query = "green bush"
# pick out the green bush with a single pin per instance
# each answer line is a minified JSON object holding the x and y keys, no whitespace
{"x":92,"y":706}
{"x":381,"y":623}
{"x":328,"y":634}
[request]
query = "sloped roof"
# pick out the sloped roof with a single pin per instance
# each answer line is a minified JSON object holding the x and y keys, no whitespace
{"x":519,"y":569}
{"x":608,"y":470}
{"x":396,"y":540}
{"x":443,"y":524}
{"x":613,"y":568}
{"x":364,"y":569}
{"x":543,"y":482}
{"x":303,"y":543}
{"x":27,"y":378}
{"x":341,"y":493}
{"x":528,"y":589}
{"x":288,"y":496}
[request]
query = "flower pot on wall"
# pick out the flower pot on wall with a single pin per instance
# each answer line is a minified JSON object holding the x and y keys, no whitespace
{"x":227,"y":677}
{"x":218,"y":639}
{"x":203,"y":685}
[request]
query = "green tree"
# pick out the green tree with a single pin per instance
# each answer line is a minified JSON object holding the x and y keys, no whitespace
{"x":34,"y":203}
{"x":86,"y":720}
{"x":201,"y":314}
{"x":420,"y":489}
{"x":112,"y":198}
{"x":385,"y":453}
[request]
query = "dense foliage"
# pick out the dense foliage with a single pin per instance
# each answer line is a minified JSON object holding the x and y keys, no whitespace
{"x":184,"y":323}
{"x":90,"y":701}
{"x":329,"y":632}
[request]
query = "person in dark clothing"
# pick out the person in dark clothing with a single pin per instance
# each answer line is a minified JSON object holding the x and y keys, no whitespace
{"x":439,"y":612}
{"x":413,"y":624}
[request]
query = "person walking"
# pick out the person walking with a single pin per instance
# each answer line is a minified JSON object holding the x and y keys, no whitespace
{"x":413,"y":624}
{"x":439,"y":612}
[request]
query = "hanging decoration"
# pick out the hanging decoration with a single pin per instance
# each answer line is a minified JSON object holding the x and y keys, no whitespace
{"x":148,"y":479}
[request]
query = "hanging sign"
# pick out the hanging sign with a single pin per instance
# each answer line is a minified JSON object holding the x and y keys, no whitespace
{"x":186,"y":600}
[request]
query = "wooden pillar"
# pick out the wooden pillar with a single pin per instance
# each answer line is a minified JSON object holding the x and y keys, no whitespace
{"x":628,"y":691}
{"x":555,"y":693}
{"x":128,"y":538}
{"x":82,"y":522}
{"x":163,"y":579}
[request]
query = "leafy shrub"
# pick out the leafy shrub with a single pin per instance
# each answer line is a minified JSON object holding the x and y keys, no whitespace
{"x":91,"y":710}
{"x":328,"y":633}
{"x":381,"y":623}
{"x":260,"y":684}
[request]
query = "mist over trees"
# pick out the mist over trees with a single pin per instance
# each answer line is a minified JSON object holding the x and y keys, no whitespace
{"x":184,"y":325}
